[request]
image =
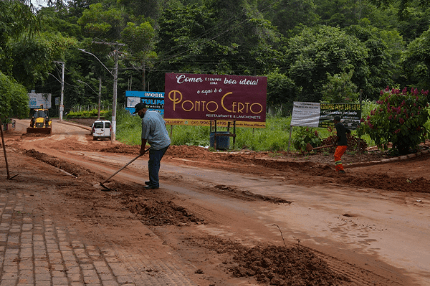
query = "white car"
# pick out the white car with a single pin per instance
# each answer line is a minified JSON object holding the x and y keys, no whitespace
{"x":101,"y":129}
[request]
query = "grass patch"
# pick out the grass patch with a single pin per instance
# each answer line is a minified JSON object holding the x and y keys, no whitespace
{"x":274,"y":137}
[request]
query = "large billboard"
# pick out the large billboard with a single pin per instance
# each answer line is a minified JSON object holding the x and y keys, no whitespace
{"x":153,"y":100}
{"x":196,"y":99}
{"x":36,"y":100}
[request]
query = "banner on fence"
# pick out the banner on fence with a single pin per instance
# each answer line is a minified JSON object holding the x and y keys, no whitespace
{"x":196,"y":99}
{"x":313,"y":114}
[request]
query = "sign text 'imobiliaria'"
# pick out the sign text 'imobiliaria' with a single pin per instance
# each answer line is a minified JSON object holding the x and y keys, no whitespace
{"x":196,"y":99}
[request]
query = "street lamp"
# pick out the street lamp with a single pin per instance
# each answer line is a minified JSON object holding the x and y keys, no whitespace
{"x":100,"y":94}
{"x":115,"y":84}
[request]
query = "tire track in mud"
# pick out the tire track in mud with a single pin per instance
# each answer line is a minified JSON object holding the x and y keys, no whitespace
{"x":357,"y":275}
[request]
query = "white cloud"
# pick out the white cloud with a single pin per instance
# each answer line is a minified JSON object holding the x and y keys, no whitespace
{"x":37,"y":3}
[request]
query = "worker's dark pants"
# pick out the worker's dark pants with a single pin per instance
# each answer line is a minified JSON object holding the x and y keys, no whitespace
{"x":154,"y":165}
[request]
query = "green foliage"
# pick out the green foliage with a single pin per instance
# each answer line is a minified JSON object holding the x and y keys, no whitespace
{"x":383,"y":55}
{"x":287,"y":15}
{"x":272,"y":138}
{"x":13,"y":98}
{"x":304,"y":135}
{"x":102,"y":22}
{"x":129,"y":127}
{"x":88,"y":113}
{"x":33,"y":57}
{"x":140,"y":41}
{"x":417,"y":61}
{"x":316,"y":52}
{"x":217,"y":37}
{"x":280,"y":90}
{"x":339,"y":89}
{"x":190,"y":135}
{"x":399,"y":119}
{"x":16,"y":19}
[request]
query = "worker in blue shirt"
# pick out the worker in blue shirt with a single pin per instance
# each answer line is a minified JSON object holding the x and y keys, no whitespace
{"x":153,"y":132}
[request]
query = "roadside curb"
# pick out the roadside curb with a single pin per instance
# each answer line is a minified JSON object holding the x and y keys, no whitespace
{"x":388,"y":160}
{"x":358,"y":164}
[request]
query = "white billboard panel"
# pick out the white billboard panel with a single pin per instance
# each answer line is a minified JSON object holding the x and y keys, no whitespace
{"x":38,"y":99}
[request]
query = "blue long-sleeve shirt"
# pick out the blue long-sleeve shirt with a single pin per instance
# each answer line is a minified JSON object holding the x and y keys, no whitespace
{"x":154,"y":130}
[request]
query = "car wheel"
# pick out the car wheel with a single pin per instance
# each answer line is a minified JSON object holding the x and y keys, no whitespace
{"x":94,"y":138}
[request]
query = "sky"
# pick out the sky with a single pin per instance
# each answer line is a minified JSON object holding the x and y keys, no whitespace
{"x":36,"y":3}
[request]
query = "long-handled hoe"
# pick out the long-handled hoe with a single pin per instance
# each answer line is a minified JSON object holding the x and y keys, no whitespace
{"x":106,"y":189}
{"x":310,"y":148}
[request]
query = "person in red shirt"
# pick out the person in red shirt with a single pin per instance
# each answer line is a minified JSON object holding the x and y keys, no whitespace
{"x":342,"y":144}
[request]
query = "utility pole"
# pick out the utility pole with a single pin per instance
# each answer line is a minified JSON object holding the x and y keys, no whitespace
{"x":115,"y":88}
{"x":62,"y":90}
{"x":100,"y":96}
{"x":115,"y":84}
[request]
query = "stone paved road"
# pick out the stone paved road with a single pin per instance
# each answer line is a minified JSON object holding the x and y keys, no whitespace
{"x":36,"y":250}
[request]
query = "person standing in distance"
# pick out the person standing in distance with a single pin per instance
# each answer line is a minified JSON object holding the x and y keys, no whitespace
{"x":154,"y":132}
{"x":342,"y":144}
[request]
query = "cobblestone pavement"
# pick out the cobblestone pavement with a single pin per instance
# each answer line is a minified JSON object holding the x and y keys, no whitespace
{"x":38,"y":250}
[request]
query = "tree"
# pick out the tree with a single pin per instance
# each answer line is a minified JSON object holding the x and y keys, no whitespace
{"x":13,"y":98}
{"x":339,"y":13}
{"x":214,"y":39}
{"x":290,"y":14}
{"x":33,"y":57}
{"x":383,"y":59}
{"x":340,"y":89}
{"x":140,"y":43}
{"x":417,"y":61}
{"x":280,"y":91}
{"x":16,"y":19}
{"x":324,"y":50}
{"x":403,"y":4}
{"x":102,"y":22}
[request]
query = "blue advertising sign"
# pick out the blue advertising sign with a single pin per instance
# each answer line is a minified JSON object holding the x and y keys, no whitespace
{"x":153,"y":100}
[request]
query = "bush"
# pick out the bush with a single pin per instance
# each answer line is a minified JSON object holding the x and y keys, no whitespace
{"x":88,"y":113}
{"x":13,"y":98}
{"x":305,"y":135}
{"x":399,"y":119}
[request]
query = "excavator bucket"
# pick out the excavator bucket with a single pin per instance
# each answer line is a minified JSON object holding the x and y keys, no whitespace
{"x":42,"y":130}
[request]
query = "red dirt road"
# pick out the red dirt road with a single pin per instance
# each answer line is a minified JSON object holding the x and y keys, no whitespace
{"x":369,"y":227}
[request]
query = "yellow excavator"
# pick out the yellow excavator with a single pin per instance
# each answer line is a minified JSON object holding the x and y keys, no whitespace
{"x":40,"y":121}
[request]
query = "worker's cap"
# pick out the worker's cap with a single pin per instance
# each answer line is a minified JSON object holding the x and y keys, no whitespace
{"x":139,"y":107}
{"x":336,"y":118}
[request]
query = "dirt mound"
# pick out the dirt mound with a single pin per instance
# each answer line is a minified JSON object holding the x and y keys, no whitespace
{"x":183,"y":151}
{"x":157,"y":212}
{"x":67,"y":167}
{"x":278,"y":265}
{"x":385,"y":182}
{"x":274,"y":265}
